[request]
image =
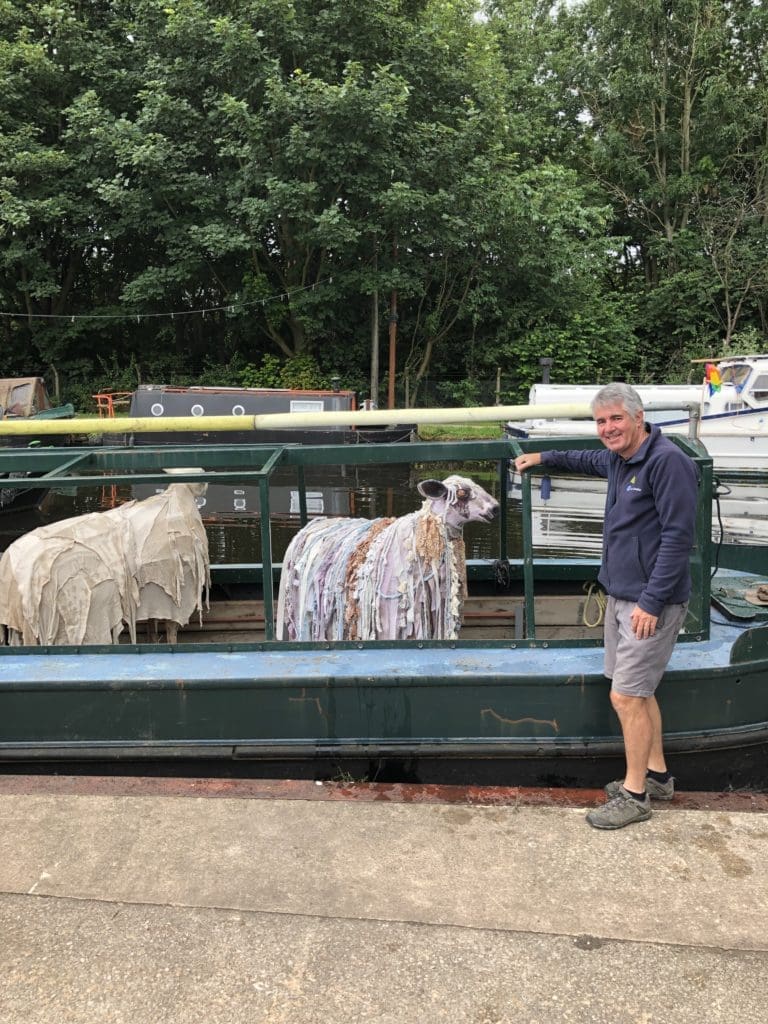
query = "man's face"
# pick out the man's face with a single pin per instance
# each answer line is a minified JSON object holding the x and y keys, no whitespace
{"x":620,"y":432}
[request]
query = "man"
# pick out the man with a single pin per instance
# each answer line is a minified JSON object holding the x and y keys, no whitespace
{"x":650,"y":514}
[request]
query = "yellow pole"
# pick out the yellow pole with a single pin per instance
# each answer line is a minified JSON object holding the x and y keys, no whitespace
{"x":291,"y":420}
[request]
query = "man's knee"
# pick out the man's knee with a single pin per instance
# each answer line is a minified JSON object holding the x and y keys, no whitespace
{"x":626,"y":705}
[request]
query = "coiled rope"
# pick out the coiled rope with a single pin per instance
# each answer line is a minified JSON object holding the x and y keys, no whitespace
{"x":594,"y":593}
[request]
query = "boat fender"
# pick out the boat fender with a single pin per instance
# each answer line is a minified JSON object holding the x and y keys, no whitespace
{"x":545,"y":488}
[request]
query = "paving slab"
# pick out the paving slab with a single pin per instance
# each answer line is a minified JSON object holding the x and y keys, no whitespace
{"x":157,"y":908}
{"x":85,"y":962}
{"x":688,"y":877}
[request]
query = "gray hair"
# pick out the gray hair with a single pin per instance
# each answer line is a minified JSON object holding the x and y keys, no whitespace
{"x":618,"y":394}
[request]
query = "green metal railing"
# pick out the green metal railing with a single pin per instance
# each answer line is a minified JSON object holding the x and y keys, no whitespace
{"x":256,"y":464}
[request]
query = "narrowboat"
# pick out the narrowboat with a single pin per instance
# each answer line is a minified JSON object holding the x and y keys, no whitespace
{"x":160,"y":402}
{"x":519,"y":694}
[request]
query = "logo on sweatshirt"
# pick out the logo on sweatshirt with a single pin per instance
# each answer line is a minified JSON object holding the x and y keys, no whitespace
{"x":632,"y":485}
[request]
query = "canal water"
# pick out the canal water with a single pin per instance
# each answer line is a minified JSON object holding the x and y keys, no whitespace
{"x":567,"y":524}
{"x":232,"y":514}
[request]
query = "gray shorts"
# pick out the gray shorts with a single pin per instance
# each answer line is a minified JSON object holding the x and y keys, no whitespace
{"x":634,"y":666}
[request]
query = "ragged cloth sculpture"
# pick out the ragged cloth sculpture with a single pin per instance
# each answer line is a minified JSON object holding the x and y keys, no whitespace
{"x":383,"y":579}
{"x":86,"y":579}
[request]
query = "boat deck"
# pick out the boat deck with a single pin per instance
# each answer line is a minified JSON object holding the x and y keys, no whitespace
{"x":484,"y":618}
{"x":740,"y":597}
{"x":468,"y":660}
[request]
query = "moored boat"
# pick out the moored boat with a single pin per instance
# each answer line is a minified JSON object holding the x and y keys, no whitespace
{"x":159,"y":401}
{"x":27,"y":397}
{"x":727,"y":412}
{"x":522,"y":683}
{"x":564,"y":506}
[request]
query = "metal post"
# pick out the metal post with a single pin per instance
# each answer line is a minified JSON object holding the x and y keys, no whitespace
{"x":392,"y":348}
{"x":503,"y":498}
{"x":302,"y":495}
{"x":266,"y":560}
{"x":694,"y":422}
{"x":527,"y":512}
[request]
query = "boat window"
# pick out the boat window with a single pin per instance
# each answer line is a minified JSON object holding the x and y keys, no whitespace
{"x":736,"y":374}
{"x":760,"y":388}
{"x":315,"y":503}
{"x":298,"y":405}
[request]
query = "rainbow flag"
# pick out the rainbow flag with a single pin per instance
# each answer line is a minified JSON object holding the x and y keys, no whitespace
{"x":712,"y":378}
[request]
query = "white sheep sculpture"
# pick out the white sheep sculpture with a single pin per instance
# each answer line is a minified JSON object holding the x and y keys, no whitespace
{"x":84,"y":580}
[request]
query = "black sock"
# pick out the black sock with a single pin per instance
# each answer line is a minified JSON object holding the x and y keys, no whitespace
{"x":637,"y":796}
{"x":660,"y":776}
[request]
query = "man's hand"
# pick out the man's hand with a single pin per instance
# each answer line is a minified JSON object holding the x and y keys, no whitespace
{"x":523,"y":462}
{"x":643,"y":623}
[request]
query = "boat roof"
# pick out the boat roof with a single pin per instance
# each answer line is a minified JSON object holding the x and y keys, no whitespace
{"x":227,"y":390}
{"x":754,"y":357}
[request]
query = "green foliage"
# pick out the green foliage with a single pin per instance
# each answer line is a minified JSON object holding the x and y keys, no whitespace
{"x":300,"y":372}
{"x":462,"y":392}
{"x":267,"y":375}
{"x":745,"y":342}
{"x":85,"y":380}
{"x":674,"y":98}
{"x":585,"y":181}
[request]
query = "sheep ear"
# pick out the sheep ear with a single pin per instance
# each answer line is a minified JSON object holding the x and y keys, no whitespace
{"x":432,"y":489}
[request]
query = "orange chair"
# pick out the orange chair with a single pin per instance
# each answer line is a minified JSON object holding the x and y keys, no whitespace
{"x":107,"y":400}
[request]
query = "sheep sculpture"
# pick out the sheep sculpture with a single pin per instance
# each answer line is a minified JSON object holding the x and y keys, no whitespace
{"x":383,"y":579}
{"x":84,"y":580}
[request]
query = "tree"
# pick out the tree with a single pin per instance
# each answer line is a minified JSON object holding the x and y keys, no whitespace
{"x":673,"y":99}
{"x":52,"y":241}
{"x":188,"y":186}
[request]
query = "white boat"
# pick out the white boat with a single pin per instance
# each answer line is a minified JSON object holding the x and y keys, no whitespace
{"x":727,"y":412}
{"x":567,"y":512}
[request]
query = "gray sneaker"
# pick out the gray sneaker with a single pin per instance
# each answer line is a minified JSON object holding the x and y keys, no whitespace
{"x":655,"y":790}
{"x":620,"y":810}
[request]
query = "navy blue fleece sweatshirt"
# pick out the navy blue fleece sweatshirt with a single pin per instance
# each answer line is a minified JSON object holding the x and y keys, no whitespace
{"x":650,"y":517}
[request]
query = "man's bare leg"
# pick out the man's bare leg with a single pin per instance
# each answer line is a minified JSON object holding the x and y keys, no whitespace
{"x":638,"y":726}
{"x":656,"y":760}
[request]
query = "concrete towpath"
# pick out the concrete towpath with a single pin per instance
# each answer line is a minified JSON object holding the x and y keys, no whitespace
{"x":181,"y":901}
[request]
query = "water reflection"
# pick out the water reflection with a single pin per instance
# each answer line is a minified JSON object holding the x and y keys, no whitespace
{"x":232,"y":513}
{"x":568,"y":523}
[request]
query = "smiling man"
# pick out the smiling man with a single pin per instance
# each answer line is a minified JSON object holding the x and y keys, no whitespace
{"x":648,"y":532}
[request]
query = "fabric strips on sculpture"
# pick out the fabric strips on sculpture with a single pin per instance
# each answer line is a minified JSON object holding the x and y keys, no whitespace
{"x":396,"y":579}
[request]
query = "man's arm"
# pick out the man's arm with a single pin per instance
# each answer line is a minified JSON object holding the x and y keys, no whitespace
{"x":590,"y":462}
{"x":523,"y":462}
